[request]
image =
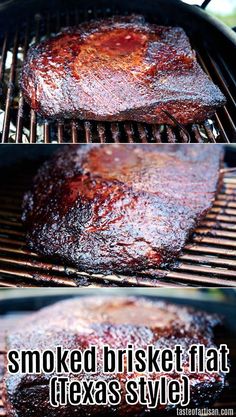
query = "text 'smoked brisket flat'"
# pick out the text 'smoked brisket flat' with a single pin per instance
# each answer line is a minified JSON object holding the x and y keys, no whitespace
{"x":116,"y":69}
{"x":117,"y":322}
{"x":120,"y":208}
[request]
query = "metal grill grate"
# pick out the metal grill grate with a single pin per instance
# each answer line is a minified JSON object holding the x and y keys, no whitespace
{"x":20,"y":124}
{"x":209,"y":259}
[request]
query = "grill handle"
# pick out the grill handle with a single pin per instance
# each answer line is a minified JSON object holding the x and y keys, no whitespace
{"x":205,"y":4}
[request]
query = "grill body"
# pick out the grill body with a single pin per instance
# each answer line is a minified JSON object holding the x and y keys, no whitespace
{"x":30,"y":21}
{"x":209,"y":259}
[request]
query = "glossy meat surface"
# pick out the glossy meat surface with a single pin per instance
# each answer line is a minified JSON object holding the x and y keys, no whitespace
{"x":120,"y":68}
{"x":120,"y":208}
{"x":78,"y":323}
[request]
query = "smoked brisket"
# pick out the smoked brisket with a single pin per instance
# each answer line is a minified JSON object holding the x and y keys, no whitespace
{"x":121,"y":208}
{"x":117,"y":322}
{"x":119,"y":68}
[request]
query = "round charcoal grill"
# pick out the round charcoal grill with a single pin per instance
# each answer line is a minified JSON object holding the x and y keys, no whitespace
{"x":209,"y":258}
{"x":28,"y":21}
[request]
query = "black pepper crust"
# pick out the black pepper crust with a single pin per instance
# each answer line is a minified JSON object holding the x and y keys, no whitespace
{"x":117,"y":321}
{"x":116,"y":69}
{"x":120,"y":208}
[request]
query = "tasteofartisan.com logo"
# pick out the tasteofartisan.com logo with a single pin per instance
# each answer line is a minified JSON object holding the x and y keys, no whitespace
{"x":205,"y":412}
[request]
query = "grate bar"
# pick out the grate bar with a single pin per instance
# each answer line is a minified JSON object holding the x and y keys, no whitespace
{"x":11,"y":241}
{"x":225,"y":226}
{"x":12,"y":232}
{"x":115,"y":131}
{"x":210,"y":249}
{"x":186,"y":277}
{"x":170,"y":135}
{"x":142,"y":133}
{"x":225,"y":210}
{"x":60,"y":132}
{"x":204,"y":259}
{"x":3,"y":57}
{"x":225,"y":203}
{"x":20,"y":113}
{"x":33,"y":123}
{"x":46,"y":132}
{"x":208,"y":270}
{"x":197,"y":133}
{"x":128,"y":128}
{"x":216,"y":232}
{"x":18,"y":251}
{"x":101,"y":132}
{"x":38,"y":277}
{"x":74,"y":132}
{"x":88,"y":132}
{"x":156,"y":130}
{"x":10,"y":92}
{"x":214,"y":241}
{"x":221,"y":217}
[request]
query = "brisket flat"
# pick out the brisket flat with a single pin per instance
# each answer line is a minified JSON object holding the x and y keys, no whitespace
{"x":120,"y":68}
{"x":121,"y":208}
{"x":117,"y":322}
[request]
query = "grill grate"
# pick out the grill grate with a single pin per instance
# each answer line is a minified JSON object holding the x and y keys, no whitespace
{"x":20,"y":124}
{"x":209,"y":259}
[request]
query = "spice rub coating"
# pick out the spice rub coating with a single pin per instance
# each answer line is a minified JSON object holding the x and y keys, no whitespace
{"x":120,"y":68}
{"x":120,"y":208}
